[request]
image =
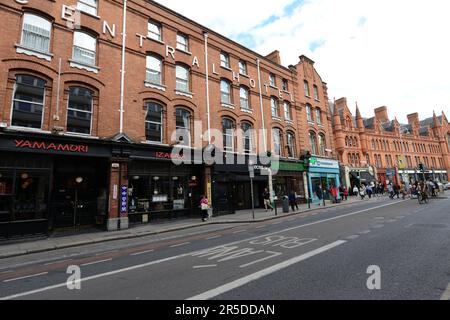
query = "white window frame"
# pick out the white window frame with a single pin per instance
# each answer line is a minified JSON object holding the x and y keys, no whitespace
{"x":274,"y":107}
{"x":291,"y":147}
{"x":226,"y":94}
{"x":309,"y":117}
{"x":25,"y":18}
{"x":224,"y":60}
{"x":18,"y":100}
{"x":151,"y":71}
{"x":247,"y":135}
{"x":244,"y":101}
{"x":287,"y":111}
{"x":188,"y":129}
{"x":228,"y":133}
{"x":272,"y":80}
{"x":153,"y":122}
{"x":276,"y":141}
{"x":151,"y":34}
{"x":183,"y":46}
{"x":82,"y":4}
{"x":76,"y":110}
{"x":243,"y":68}
{"x":306,"y":88}
{"x":319,"y":116}
{"x":184,"y":82}
{"x":85,"y":49}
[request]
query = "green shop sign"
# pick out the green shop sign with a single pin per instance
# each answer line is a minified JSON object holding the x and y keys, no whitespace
{"x":288,"y":166}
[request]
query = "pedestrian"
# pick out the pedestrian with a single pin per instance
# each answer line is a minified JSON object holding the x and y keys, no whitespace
{"x":345,"y":193}
{"x":397,"y":191}
{"x":362,"y":192}
{"x":319,"y":193}
{"x":334,"y":191}
{"x":391,"y":191}
{"x":266,"y":197}
{"x":293,"y":201}
{"x":204,"y":206}
{"x":355,"y":190}
{"x":369,"y":191}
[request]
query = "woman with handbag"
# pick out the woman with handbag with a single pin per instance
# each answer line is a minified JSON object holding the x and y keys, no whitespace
{"x":204,"y":206}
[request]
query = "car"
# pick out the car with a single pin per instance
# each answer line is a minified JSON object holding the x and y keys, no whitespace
{"x":447,"y":186}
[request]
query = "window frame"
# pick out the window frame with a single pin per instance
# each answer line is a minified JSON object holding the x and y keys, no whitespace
{"x":272,"y":79}
{"x":50,"y":24}
{"x":151,"y":34}
{"x":243,"y":69}
{"x":85,"y":4}
{"x":292,"y":149}
{"x":89,"y":112}
{"x":189,"y":129}
{"x":309,"y":116}
{"x":147,"y":104}
{"x":84,"y":48}
{"x":246,"y":98}
{"x":280,"y":141}
{"x":248,"y":137}
{"x":225,"y":60}
{"x":227,"y":93}
{"x":306,"y":88}
{"x":274,"y":106}
{"x":287,"y":111}
{"x":178,"y":80}
{"x":25,"y":101}
{"x":228,"y":133}
{"x":149,"y":70}
{"x":182,"y":46}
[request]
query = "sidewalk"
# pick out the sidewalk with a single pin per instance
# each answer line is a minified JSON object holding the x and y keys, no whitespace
{"x":245,"y":216}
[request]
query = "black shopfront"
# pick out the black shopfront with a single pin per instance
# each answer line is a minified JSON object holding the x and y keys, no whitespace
{"x":159,"y":189}
{"x":231,"y":185}
{"x":50,"y":182}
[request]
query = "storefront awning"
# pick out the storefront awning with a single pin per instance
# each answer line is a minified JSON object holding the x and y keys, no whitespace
{"x":364,"y":176}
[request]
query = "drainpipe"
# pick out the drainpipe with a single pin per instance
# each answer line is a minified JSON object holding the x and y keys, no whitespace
{"x":122,"y":70}
{"x":205,"y":34}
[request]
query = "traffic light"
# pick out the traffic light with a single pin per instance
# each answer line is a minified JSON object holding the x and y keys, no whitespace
{"x":421,"y":167}
{"x":305,"y":157}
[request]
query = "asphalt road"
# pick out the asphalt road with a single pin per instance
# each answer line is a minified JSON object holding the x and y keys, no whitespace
{"x":316,"y":255}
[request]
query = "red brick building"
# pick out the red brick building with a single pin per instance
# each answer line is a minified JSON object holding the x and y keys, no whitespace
{"x":381,"y":149}
{"x":89,"y":118}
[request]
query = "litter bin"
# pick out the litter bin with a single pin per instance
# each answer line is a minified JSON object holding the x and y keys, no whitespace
{"x":285,"y":204}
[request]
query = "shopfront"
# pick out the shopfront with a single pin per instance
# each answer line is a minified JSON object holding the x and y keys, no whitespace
{"x":231,"y":185}
{"x":158,"y":189}
{"x":323,"y":174}
{"x":291,"y":177}
{"x":48,"y":183}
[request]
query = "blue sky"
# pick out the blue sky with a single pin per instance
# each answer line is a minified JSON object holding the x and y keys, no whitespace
{"x":377,"y":56}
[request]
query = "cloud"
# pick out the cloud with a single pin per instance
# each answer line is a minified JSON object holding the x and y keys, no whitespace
{"x":393,"y":53}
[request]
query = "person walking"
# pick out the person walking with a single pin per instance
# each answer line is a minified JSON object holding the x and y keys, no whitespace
{"x":403,"y":191}
{"x":369,"y":191}
{"x":355,"y":190}
{"x":266,"y":196}
{"x":204,"y":206}
{"x":391,"y":191}
{"x":345,"y":193}
{"x":293,"y":201}
{"x":362,"y":192}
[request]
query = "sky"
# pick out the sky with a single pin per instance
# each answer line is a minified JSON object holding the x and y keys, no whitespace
{"x":393,"y":53}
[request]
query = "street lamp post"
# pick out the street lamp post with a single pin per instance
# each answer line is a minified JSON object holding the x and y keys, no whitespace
{"x":78,"y":181}
{"x":251,"y":170}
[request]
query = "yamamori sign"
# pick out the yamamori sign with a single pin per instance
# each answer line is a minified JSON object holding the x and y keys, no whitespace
{"x":324,"y":163}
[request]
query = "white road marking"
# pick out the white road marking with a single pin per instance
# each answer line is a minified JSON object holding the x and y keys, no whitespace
{"x":63,"y":285}
{"x":273,"y":255}
{"x":354,"y":237}
{"x":55,"y":262}
{"x":142,"y":252}
{"x":378,"y":226}
{"x":239,"y":231}
{"x":180,"y":244}
{"x":102,"y":253}
{"x":30,"y":276}
{"x":365,"y":232}
{"x":96,"y":262}
{"x":215,"y":237}
{"x":446,"y":295}
{"x":190,"y":254}
{"x":208,"y":266}
{"x":260,"y":227}
{"x":260,"y":274}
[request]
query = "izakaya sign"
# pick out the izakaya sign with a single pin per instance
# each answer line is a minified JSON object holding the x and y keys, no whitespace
{"x":63,"y":147}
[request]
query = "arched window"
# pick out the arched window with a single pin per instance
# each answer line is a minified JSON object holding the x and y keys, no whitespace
{"x":225,"y":91}
{"x":154,"y":122}
{"x":244,"y":95}
{"x":182,"y":78}
{"x":183,"y":126}
{"x":274,"y":107}
{"x":88,"y":6}
{"x":228,"y":127}
{"x":291,"y":145}
{"x":79,"y":110}
{"x":154,"y":70}
{"x":322,"y":144}
{"x":313,"y":143}
{"x":84,"y":48}
{"x":247,"y":130}
{"x":276,"y":141}
{"x":154,"y":30}
{"x":36,"y":32}
{"x":28,"y":102}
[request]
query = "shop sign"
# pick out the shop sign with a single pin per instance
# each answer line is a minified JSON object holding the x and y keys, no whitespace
{"x":40,"y":145}
{"x":324,"y":163}
{"x":168,"y":155}
{"x":123,"y":200}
